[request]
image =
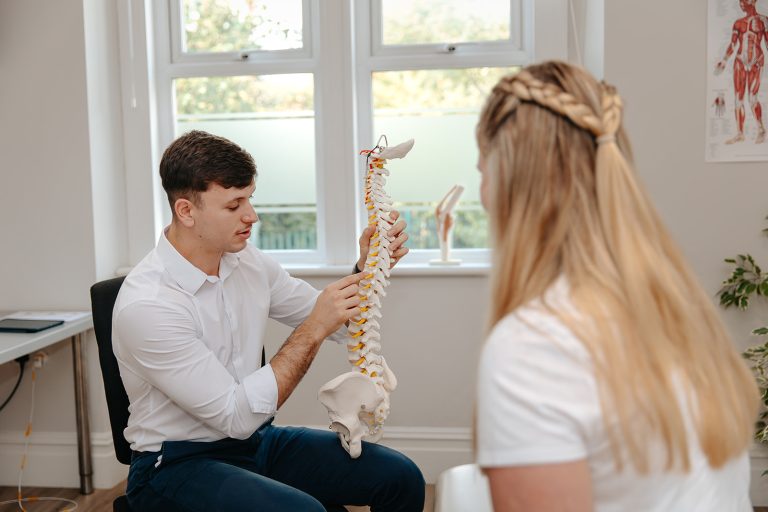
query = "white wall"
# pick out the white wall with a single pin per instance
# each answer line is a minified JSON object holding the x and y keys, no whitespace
{"x":62,"y":217}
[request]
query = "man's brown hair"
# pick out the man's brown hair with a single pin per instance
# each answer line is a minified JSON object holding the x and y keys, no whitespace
{"x":196,"y":159}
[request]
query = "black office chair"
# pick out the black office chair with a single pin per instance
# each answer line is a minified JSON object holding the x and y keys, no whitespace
{"x":103,"y":296}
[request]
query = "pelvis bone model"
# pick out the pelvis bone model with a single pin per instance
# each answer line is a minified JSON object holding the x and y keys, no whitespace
{"x":358,"y":401}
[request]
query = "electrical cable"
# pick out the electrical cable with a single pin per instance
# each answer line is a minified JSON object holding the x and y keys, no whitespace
{"x":20,"y":499}
{"x":22,"y":363}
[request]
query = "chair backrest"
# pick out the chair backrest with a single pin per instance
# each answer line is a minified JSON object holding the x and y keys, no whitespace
{"x":103,"y":296}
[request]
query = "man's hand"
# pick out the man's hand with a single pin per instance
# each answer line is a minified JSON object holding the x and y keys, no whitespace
{"x":336,"y":304}
{"x":396,"y":233}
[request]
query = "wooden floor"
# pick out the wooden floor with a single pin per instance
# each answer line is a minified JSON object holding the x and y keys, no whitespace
{"x":101,"y":499}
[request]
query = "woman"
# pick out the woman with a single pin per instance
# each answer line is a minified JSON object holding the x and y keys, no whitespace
{"x":608,"y":381}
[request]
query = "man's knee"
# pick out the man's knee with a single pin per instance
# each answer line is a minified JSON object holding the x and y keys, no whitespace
{"x":403,"y":480}
{"x":256,"y":492}
{"x":411,"y":478}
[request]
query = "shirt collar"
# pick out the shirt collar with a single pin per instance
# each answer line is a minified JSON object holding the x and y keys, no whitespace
{"x":228,"y":264}
{"x":188,"y":276}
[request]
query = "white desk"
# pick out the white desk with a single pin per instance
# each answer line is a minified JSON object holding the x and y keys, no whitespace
{"x":13,"y":345}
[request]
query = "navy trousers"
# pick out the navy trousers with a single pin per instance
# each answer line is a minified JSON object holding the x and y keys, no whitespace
{"x":278,"y":469}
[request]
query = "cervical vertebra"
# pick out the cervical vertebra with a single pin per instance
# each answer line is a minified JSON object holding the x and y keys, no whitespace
{"x":358,"y":401}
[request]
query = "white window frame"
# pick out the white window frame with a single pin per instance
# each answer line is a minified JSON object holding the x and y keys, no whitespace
{"x":340,"y":51}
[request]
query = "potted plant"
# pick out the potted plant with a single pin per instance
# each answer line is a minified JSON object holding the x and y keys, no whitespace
{"x":747,"y":281}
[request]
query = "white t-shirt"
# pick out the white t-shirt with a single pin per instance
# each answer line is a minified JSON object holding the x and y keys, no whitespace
{"x":538,"y":403}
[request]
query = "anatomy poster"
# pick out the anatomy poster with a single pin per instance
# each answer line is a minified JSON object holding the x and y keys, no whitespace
{"x":737,"y":43}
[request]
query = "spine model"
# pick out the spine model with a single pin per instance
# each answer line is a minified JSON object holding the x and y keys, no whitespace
{"x":358,"y":401}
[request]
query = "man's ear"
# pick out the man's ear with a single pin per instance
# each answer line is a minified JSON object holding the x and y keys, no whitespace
{"x":183,"y":209}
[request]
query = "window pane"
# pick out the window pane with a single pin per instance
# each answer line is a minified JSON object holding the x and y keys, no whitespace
{"x":271,"y":116}
{"x":439,"y":109}
{"x":238,"y":25}
{"x":444,"y":21}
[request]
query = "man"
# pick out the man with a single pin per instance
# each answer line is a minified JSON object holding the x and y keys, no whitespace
{"x":188,"y":329}
{"x":748,"y":36}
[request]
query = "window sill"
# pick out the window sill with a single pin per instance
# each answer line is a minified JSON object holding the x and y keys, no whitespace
{"x":406,"y":270}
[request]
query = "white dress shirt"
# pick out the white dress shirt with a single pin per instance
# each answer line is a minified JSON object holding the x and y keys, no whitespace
{"x":189,"y":345}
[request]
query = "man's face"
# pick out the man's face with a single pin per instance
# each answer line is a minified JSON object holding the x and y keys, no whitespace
{"x":224,"y":217}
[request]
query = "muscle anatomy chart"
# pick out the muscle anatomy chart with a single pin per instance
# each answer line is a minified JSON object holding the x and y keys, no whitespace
{"x":736,"y":51}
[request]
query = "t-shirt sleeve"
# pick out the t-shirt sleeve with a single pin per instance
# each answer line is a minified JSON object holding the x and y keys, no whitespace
{"x":536,"y":400}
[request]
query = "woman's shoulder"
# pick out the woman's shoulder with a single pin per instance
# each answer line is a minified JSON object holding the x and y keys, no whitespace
{"x":538,"y":330}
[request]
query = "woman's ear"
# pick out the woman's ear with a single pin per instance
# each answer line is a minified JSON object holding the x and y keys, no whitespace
{"x":183,"y":209}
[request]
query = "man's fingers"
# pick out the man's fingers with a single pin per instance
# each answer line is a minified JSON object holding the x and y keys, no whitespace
{"x":349,"y":291}
{"x":396,"y":229}
{"x":398,"y":254}
{"x":346,"y":281}
{"x":352,"y":313}
{"x":398,"y":242}
{"x":366,"y":235}
{"x":352,"y":302}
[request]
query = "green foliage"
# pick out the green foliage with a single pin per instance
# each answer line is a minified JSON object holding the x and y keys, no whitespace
{"x":746,"y":279}
{"x":434,"y":21}
{"x":758,"y":357}
{"x":225,"y":26}
{"x":745,"y":282}
{"x":286,"y":231}
{"x":242,"y":94}
{"x":434,"y":88}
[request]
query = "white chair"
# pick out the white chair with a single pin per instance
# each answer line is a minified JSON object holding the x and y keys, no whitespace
{"x":463,"y":489}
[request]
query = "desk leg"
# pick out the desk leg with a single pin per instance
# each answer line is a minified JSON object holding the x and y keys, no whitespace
{"x":81,"y":404}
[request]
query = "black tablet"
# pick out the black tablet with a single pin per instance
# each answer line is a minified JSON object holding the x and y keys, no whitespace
{"x":24,"y":325}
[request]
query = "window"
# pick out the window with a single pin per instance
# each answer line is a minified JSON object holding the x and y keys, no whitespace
{"x":304,"y":84}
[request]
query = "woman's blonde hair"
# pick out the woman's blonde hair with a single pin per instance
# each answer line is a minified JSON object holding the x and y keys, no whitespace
{"x":564,"y":200}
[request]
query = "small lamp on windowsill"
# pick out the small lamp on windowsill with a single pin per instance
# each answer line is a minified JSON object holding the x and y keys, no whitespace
{"x":445,"y":223}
